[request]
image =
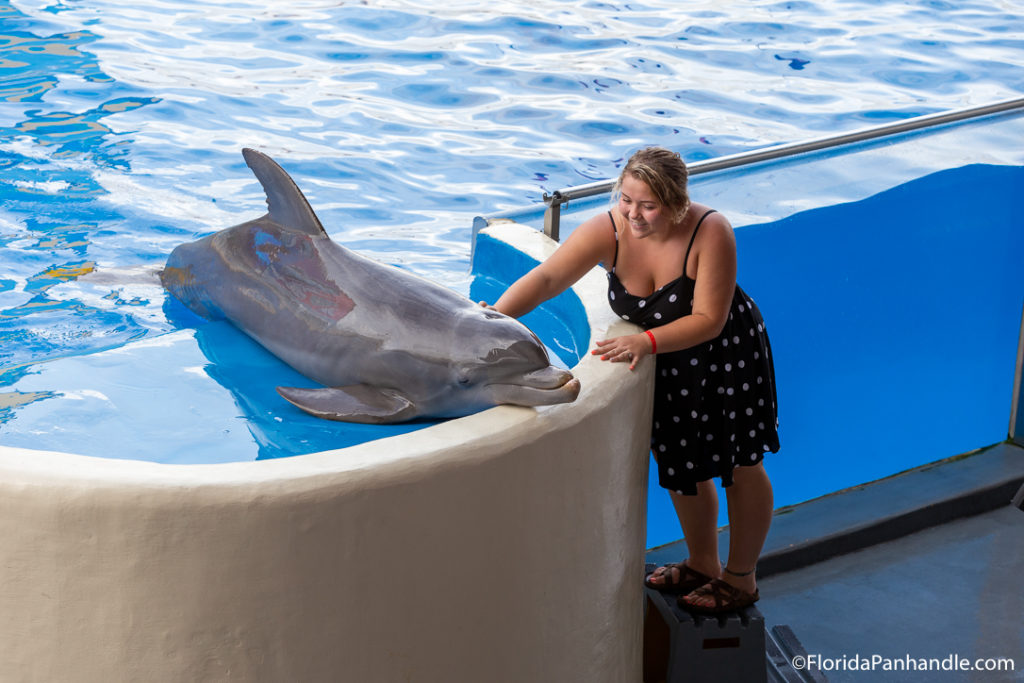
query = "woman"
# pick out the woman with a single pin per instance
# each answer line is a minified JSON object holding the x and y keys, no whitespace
{"x":672,"y":271}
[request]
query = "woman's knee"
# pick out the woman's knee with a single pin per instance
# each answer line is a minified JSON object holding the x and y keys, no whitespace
{"x":742,"y":474}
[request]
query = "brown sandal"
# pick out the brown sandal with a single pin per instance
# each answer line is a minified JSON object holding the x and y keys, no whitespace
{"x":682,"y":581}
{"x":727,"y":598}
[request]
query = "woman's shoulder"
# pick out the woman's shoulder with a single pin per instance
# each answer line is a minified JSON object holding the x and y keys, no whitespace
{"x":711,"y":225}
{"x":708,"y":214}
{"x":715,"y":243}
{"x":601,"y":228}
{"x":592,"y":241}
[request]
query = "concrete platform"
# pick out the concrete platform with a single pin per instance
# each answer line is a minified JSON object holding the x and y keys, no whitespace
{"x":952,"y":590}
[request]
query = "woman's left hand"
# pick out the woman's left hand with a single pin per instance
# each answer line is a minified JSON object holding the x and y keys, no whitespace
{"x":628,"y":349}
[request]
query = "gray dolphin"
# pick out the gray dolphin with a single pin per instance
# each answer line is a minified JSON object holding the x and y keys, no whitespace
{"x":389,"y":345}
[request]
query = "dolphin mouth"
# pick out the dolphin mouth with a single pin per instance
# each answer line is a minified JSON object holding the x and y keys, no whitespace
{"x":547,"y":378}
{"x":544,"y":387}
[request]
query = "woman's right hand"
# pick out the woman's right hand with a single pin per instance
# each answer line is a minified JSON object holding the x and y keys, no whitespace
{"x":626,"y":349}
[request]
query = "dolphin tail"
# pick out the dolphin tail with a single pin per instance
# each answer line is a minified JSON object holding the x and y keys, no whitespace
{"x":286,"y":203}
{"x":355,"y":403}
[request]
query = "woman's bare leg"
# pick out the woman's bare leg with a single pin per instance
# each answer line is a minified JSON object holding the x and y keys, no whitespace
{"x":750,"y":504}
{"x":698,"y":517}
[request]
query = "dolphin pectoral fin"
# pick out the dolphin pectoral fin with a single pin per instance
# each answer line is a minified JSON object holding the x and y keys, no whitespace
{"x":355,"y":403}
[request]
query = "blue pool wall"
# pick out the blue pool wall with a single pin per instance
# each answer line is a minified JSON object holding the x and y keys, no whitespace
{"x":894,"y":325}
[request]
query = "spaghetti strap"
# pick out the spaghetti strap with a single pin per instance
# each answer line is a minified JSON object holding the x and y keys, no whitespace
{"x":615,"y":259}
{"x":686,"y":259}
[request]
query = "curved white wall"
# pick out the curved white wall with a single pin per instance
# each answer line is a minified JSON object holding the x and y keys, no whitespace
{"x":504,"y":546}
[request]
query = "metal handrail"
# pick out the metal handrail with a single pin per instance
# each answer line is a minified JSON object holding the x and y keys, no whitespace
{"x":558,"y":198}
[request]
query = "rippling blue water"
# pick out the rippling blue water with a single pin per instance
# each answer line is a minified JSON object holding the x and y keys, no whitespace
{"x":121,"y":125}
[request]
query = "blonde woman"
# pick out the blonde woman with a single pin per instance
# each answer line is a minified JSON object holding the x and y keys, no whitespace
{"x":672,"y":270}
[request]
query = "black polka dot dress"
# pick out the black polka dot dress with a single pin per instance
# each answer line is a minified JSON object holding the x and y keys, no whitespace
{"x":714,"y":403}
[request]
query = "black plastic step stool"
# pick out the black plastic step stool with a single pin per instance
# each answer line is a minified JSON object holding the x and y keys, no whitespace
{"x":680,"y":647}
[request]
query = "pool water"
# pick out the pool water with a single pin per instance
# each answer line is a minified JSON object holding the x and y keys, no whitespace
{"x":121,"y":125}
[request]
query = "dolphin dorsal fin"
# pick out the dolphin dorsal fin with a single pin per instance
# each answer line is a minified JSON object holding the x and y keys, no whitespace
{"x":288,"y":207}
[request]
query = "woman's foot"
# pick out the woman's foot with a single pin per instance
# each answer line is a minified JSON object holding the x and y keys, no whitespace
{"x":732,"y":591}
{"x":717,"y":597}
{"x":676,"y":578}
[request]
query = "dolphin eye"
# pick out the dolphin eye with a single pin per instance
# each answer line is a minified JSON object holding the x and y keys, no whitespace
{"x":462,"y":379}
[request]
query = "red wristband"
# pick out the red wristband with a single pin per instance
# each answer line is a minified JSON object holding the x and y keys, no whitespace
{"x":654,"y":344}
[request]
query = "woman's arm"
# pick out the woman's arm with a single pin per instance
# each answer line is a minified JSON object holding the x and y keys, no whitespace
{"x":589,"y":244}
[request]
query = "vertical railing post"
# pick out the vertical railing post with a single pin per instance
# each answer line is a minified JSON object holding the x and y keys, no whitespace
{"x":552,"y":216}
{"x":1017,"y":405}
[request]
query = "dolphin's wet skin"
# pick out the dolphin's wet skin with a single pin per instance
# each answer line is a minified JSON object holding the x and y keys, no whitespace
{"x":389,"y":346}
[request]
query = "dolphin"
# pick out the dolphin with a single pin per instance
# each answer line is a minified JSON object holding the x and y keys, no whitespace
{"x":389,"y":346}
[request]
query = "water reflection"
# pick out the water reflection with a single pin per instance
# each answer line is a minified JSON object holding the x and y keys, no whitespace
{"x":75,"y":133}
{"x":9,"y":400}
{"x":30,"y":62}
{"x":49,"y":191}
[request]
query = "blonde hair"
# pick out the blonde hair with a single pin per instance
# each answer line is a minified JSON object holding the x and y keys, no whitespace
{"x":664,"y":172}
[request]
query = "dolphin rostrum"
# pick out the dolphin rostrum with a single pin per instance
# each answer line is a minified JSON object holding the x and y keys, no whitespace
{"x":389,"y":345}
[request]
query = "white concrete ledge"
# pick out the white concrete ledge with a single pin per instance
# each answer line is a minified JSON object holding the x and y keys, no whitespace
{"x":504,"y":546}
